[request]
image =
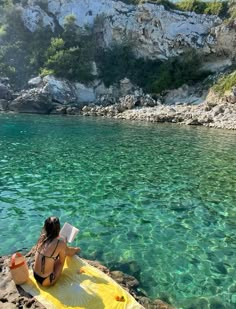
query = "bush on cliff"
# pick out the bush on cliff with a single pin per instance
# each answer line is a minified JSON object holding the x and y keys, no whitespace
{"x":232,"y":10}
{"x":166,"y":3}
{"x":225,"y":83}
{"x":177,"y":71}
{"x":70,"y":55}
{"x":215,"y":7}
{"x":22,"y":52}
{"x":152,"y":75}
{"x":115,"y":63}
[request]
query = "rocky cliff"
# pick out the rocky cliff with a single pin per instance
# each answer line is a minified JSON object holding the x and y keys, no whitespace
{"x":154,"y":31}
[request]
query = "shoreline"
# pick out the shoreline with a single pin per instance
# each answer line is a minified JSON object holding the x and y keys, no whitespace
{"x":220,"y":115}
{"x":186,"y":105}
{"x":13,"y":296}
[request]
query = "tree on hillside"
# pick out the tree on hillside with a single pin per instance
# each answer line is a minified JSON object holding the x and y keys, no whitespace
{"x":22,"y":52}
{"x":71,"y":54}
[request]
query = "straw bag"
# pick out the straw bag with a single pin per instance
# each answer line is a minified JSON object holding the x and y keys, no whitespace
{"x":19,"y":268}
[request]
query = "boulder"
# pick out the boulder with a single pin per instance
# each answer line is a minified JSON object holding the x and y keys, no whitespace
{"x":61,"y":91}
{"x":126,"y":87}
{"x":72,"y":110}
{"x":34,"y":82}
{"x":101,"y":90}
{"x":225,"y":41}
{"x":58,"y":109}
{"x":231,"y":96}
{"x":5,"y":92}
{"x":85,"y":93}
{"x":32,"y":101}
{"x":185,"y":94}
{"x":3,"y":105}
{"x":133,"y":101}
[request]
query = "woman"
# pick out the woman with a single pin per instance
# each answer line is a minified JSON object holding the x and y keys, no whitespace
{"x":51,"y":253}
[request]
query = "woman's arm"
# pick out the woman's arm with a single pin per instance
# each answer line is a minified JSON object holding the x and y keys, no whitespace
{"x":62,"y":252}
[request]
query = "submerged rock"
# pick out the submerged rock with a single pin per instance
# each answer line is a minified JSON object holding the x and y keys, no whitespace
{"x":5,"y":92}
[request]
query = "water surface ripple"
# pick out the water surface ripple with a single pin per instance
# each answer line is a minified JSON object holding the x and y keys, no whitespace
{"x":158,"y":201}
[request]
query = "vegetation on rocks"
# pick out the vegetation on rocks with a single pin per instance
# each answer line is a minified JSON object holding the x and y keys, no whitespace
{"x":71,"y":47}
{"x":166,"y":3}
{"x":222,"y":8}
{"x":22,"y":53}
{"x":225,"y":83}
{"x":215,"y":7}
{"x":70,"y":52}
{"x":153,"y":76}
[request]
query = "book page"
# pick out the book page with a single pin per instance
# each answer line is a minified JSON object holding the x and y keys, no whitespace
{"x":68,"y":232}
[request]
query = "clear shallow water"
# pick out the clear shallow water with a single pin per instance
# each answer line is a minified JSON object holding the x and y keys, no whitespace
{"x":158,"y":201}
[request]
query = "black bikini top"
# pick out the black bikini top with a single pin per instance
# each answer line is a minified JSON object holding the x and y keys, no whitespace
{"x":45,"y":256}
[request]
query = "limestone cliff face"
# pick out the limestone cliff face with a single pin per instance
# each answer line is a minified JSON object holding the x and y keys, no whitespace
{"x":33,"y":17}
{"x":155,"y":31}
{"x":226,"y":40}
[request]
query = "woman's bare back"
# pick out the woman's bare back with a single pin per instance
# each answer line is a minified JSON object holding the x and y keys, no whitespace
{"x":46,"y":256}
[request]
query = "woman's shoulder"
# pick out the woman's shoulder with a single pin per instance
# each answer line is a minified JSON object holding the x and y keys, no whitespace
{"x":61,"y":243}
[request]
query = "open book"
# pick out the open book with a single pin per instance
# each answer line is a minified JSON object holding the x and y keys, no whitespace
{"x":68,"y":232}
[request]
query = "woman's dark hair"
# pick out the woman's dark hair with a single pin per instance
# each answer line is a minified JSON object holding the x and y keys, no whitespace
{"x":50,"y":230}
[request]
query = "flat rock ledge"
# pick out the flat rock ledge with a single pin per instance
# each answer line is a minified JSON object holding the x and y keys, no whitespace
{"x":13,"y":296}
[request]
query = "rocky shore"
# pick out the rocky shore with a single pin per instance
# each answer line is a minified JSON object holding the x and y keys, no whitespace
{"x":217,"y":114}
{"x":186,"y":105}
{"x":13,"y":296}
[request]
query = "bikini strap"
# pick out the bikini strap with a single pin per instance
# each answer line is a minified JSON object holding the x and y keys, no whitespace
{"x":44,"y":257}
{"x":55,"y":248}
{"x":43,"y":264}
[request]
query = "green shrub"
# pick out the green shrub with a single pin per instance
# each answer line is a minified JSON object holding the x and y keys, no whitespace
{"x":71,"y":55}
{"x":114,"y":63}
{"x":152,"y":75}
{"x":177,"y":71}
{"x":69,"y":63}
{"x":225,"y":83}
{"x":22,"y":52}
{"x":224,"y":9}
{"x":216,"y":7}
{"x":232,"y":10}
{"x":192,"y":6}
{"x":45,"y":72}
{"x":2,"y":31}
{"x":166,"y":3}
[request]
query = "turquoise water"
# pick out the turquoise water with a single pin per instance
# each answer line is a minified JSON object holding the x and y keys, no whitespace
{"x":155,"y":200}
